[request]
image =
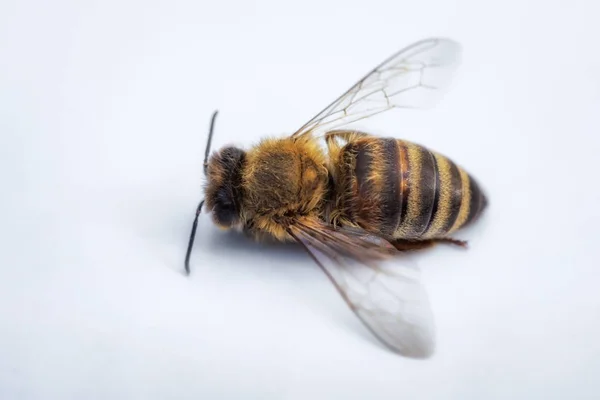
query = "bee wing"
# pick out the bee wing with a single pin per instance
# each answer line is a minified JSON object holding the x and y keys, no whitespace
{"x":415,"y":77}
{"x":391,"y":302}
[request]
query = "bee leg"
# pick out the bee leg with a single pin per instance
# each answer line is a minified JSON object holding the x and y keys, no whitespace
{"x":456,"y":242}
{"x":407,"y":245}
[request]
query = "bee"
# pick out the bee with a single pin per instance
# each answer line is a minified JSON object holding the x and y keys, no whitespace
{"x":351,"y":199}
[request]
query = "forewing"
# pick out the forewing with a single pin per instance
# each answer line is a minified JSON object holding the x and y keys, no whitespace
{"x":390,"y":301}
{"x":415,"y":77}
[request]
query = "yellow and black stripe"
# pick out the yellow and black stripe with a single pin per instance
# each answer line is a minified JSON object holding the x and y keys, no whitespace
{"x":405,"y":191}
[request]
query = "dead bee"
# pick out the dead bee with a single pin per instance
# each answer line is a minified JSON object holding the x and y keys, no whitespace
{"x":359,"y":201}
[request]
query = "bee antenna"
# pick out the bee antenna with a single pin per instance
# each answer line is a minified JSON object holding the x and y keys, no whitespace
{"x":199,"y":209}
{"x":192,"y":236}
{"x":209,"y":141}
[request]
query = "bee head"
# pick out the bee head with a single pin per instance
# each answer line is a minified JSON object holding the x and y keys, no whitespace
{"x":223,"y":190}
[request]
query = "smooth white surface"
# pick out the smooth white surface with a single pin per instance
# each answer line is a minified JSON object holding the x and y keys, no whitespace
{"x":104,"y":108}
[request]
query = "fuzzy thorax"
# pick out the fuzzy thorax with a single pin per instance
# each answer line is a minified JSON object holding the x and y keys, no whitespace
{"x":283,"y":179}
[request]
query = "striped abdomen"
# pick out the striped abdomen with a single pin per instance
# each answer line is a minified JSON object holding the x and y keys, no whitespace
{"x":405,"y":191}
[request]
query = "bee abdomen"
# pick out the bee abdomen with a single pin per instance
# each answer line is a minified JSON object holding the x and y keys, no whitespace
{"x":371,"y":197}
{"x":446,"y":197}
{"x":405,"y":191}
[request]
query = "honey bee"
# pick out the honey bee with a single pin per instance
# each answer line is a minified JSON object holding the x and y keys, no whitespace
{"x":352,"y":199}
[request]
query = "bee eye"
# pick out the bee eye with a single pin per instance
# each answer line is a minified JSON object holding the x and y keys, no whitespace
{"x":223,"y":195}
{"x":225,"y":211}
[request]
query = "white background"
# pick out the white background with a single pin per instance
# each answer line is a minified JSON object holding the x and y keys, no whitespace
{"x":104,"y":110}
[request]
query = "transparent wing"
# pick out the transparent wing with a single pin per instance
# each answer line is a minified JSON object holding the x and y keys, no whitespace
{"x":390,"y":301}
{"x":415,"y":77}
